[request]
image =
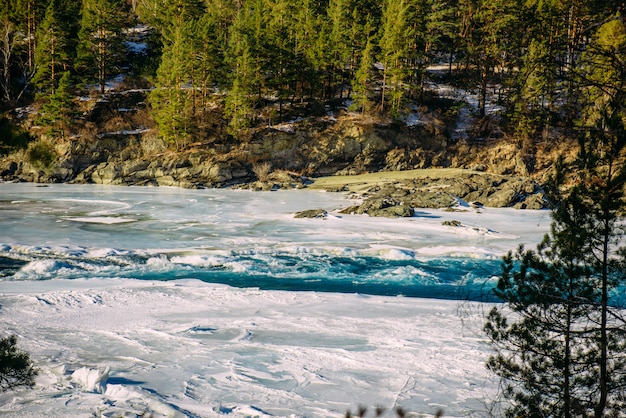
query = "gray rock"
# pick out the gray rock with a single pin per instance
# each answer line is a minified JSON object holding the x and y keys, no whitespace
{"x":502,"y":198}
{"x":382,"y":207}
{"x":106,"y":173}
{"x":220,"y":173}
{"x":397,"y":211}
{"x":166,"y":181}
{"x":351,"y":210}
{"x":432,"y":200}
{"x":312,"y":213}
{"x":460,"y":188}
{"x":534,"y":202}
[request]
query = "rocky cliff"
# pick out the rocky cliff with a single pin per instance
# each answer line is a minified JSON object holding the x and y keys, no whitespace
{"x":292,"y":152}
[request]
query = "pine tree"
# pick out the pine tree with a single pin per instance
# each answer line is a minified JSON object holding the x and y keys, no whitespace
{"x":31,"y":14}
{"x":8,"y":43}
{"x":56,"y":114}
{"x":253,"y":23}
{"x":238,"y":104}
{"x":442,"y":29}
{"x":19,"y":20}
{"x":100,"y":47}
{"x":393,"y":51}
{"x":281,"y":48}
{"x":338,"y":42}
{"x":53,"y":54}
{"x":361,"y":31}
{"x":172,"y":100}
{"x":536,"y":79}
{"x":603,"y":146}
{"x":362,"y":79}
{"x":564,"y":351}
{"x":307,"y":52}
{"x":418,"y":44}
{"x":538,"y":354}
{"x":207,"y":67}
{"x":491,"y":42}
{"x":165,"y":15}
{"x":562,"y":354}
{"x":16,"y":368}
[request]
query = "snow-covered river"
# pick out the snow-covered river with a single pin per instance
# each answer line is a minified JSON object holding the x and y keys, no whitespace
{"x":210,"y":303}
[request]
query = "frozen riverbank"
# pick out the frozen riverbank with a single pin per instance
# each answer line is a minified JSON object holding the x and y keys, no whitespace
{"x":187,"y":348}
{"x":119,"y":295}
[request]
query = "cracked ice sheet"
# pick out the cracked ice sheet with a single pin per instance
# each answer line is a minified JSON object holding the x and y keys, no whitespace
{"x":186,"y":348}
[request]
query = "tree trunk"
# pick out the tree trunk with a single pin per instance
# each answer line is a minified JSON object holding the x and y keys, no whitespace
{"x":482,"y":94}
{"x":7,"y":50}
{"x":52,"y":63}
{"x":382,"y":90}
{"x":567,"y":401}
{"x":102,"y":75}
{"x":601,"y":405}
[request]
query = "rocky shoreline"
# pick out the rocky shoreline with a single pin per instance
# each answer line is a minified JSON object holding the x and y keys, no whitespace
{"x":391,"y":194}
{"x":397,"y":180}
{"x":379,"y":194}
{"x":440,"y":189}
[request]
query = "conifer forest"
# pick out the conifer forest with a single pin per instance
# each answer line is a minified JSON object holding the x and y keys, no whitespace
{"x":550,"y":64}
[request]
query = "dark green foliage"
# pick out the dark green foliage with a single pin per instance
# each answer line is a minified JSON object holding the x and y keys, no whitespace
{"x":12,"y":136}
{"x":192,"y":64}
{"x":393,"y":51}
{"x":169,"y":101}
{"x":59,"y":108}
{"x":9,"y":43}
{"x":534,"y":352}
{"x":566,"y":332}
{"x":100,"y":48}
{"x":363,"y":78}
{"x":16,"y":368}
{"x":56,"y":43}
{"x":40,"y":154}
{"x":563,"y":352}
{"x":19,"y":20}
{"x":238,"y":103}
{"x":310,"y":54}
{"x":28,"y":15}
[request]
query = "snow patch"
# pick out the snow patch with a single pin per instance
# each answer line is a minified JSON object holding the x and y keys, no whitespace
{"x":91,"y":380}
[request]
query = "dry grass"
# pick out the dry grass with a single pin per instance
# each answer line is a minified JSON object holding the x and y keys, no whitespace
{"x":262,"y":170}
{"x":141,"y":118}
{"x":87,"y":130}
{"x":117,"y":124}
{"x":152,"y":145}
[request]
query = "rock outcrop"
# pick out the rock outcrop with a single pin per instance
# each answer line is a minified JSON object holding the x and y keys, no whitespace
{"x":311,"y":147}
{"x":477,"y":189}
{"x":312,"y":213}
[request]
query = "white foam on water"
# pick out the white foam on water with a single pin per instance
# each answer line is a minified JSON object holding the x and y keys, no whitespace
{"x":200,"y":260}
{"x":469,"y":251}
{"x":42,"y":268}
{"x":398,"y":254}
{"x":121,"y":347}
{"x":107,"y":220}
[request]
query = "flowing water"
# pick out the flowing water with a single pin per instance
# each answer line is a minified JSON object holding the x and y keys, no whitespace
{"x":251,"y":239}
{"x":210,"y":303}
